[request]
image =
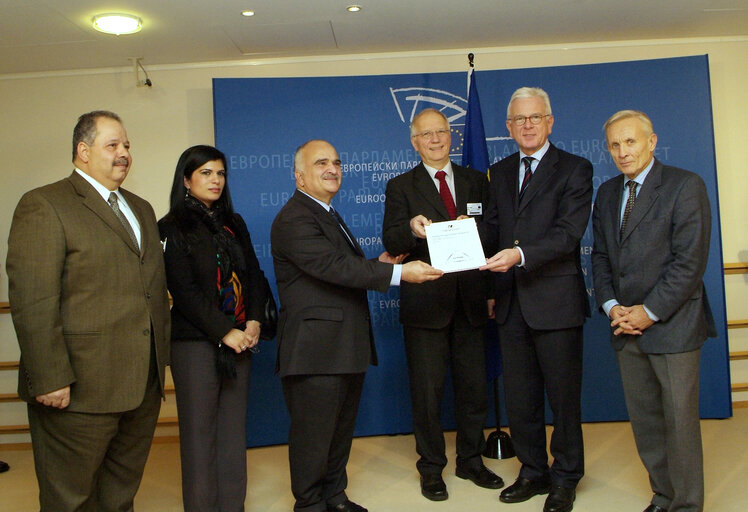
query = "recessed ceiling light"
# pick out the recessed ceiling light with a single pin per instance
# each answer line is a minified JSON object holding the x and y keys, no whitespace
{"x":353,"y":8}
{"x":117,"y":23}
{"x":248,"y":13}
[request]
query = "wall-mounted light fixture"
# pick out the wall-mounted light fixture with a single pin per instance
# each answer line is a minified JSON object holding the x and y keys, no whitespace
{"x":117,"y":23}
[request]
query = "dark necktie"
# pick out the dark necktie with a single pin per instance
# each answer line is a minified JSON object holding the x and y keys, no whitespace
{"x":527,"y":161}
{"x":629,"y":205}
{"x":344,"y":228}
{"x":125,"y":224}
{"x":449,"y":203}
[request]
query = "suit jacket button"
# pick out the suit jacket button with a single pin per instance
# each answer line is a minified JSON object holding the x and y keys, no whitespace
{"x":146,"y":332}
{"x":516,"y":242}
{"x":142,"y":261}
{"x":147,"y":295}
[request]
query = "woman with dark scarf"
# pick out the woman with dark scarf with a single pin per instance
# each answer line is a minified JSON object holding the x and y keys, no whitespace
{"x":218,"y":291}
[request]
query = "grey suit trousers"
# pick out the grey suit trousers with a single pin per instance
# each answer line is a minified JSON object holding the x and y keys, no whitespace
{"x":662,"y":397}
{"x":212,"y":428}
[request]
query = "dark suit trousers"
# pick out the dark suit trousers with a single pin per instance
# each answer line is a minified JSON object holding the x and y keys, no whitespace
{"x":429,"y":353}
{"x":93,"y":462}
{"x":212,"y":428}
{"x":662,"y":397}
{"x":534,"y":362}
{"x":323,"y":412}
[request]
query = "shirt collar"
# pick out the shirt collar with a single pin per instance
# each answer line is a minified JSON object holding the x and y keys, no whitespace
{"x":432,"y":171}
{"x":642,"y":175}
{"x":101,"y":189}
{"x":539,"y":154}
{"x":321,"y":203}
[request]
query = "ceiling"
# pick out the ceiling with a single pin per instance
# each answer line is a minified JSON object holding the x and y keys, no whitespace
{"x":50,"y":35}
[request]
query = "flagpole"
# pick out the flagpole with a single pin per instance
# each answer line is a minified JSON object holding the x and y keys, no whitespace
{"x":475,"y":155}
{"x":470,"y":56}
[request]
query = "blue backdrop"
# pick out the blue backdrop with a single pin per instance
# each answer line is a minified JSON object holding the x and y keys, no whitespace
{"x":260,"y":122}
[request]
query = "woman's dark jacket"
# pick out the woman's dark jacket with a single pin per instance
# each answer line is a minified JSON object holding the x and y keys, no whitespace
{"x":191,"y":269}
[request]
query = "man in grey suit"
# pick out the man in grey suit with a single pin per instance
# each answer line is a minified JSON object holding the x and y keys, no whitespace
{"x":652,"y":226}
{"x":325,"y":341}
{"x":88,"y":297}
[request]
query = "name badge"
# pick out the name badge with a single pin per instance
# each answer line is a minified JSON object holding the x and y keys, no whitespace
{"x":475,"y":208}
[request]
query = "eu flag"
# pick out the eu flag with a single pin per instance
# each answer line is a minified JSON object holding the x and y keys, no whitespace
{"x":475,"y":155}
{"x":474,"y":150}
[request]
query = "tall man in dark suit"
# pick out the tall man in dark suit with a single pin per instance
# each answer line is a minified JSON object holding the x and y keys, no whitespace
{"x":537,"y":215}
{"x":89,"y":304}
{"x":443,"y":321}
{"x":652,"y":226}
{"x":325,"y":341}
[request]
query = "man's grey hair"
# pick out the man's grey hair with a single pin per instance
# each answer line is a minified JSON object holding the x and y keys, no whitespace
{"x":529,"y":92}
{"x":628,"y":114}
{"x":85,"y":128}
{"x":423,"y":112}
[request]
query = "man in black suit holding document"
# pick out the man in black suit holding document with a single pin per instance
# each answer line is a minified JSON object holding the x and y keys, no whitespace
{"x":444,"y":320}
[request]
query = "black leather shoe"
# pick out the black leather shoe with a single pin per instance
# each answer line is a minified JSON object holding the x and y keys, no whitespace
{"x":655,"y":508}
{"x":4,"y":466}
{"x":481,"y":476}
{"x":433,"y":487}
{"x":560,"y":499}
{"x":523,"y":489}
{"x":346,"y":506}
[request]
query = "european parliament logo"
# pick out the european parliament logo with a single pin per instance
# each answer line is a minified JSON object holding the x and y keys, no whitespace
{"x":411,"y":100}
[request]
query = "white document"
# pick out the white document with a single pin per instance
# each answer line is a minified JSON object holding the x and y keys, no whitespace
{"x":454,"y":245}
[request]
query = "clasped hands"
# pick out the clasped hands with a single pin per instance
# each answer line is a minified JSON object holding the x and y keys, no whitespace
{"x":629,"y":319}
{"x":239,"y":341}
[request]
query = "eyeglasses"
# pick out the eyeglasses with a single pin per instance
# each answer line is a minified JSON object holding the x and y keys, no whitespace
{"x":534,"y":119}
{"x":430,"y":133}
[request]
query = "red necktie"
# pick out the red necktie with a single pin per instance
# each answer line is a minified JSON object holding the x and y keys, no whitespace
{"x":446,"y":194}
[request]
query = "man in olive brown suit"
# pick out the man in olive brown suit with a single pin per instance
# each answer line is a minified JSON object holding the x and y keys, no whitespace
{"x":89,"y":304}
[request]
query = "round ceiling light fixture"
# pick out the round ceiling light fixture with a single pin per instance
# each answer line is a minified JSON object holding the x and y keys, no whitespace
{"x":247,"y":13}
{"x":353,"y":8}
{"x":117,"y":23}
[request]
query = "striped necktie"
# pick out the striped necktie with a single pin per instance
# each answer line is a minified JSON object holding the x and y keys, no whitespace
{"x":527,"y":161}
{"x":125,"y":224}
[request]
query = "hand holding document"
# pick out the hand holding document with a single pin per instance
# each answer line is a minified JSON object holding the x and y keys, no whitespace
{"x":455,"y":245}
